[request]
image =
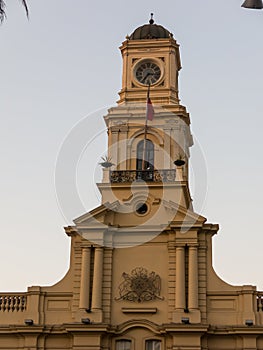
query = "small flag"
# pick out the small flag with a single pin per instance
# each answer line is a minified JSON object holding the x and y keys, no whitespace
{"x":149,"y":110}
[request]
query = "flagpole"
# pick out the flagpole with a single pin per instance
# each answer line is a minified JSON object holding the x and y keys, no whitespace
{"x":145,"y":128}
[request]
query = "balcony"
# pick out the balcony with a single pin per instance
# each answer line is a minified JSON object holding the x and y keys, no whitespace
{"x":126,"y":176}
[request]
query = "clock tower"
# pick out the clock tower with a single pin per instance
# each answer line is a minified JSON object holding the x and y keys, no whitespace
{"x":151,"y":63}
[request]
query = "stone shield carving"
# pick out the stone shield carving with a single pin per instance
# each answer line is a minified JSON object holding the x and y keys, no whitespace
{"x":140,"y":286}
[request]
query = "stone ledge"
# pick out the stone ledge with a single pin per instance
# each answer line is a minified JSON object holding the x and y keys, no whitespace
{"x":139,"y":310}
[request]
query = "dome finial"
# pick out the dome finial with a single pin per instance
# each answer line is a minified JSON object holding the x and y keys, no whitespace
{"x":151,"y":21}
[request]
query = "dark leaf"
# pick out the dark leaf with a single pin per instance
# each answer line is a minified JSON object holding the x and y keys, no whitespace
{"x":2,"y":10}
{"x":26,"y":8}
{"x":3,"y":13}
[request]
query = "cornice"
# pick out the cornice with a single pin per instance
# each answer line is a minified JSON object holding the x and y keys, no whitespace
{"x":235,"y":330}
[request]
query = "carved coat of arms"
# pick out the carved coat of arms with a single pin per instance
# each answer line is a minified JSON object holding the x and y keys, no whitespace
{"x":140,"y":286}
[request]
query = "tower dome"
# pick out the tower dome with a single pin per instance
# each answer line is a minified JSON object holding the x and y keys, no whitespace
{"x":150,"y":31}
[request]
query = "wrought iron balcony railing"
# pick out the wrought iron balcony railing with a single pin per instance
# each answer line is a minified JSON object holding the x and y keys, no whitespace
{"x":122,"y":176}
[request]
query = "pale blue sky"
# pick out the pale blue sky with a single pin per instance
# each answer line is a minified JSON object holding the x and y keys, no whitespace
{"x":64,"y":64}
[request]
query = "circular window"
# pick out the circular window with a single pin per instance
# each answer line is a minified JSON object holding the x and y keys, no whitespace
{"x":141,"y":208}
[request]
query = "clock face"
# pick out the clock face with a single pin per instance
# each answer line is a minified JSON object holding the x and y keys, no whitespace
{"x":148,"y":73}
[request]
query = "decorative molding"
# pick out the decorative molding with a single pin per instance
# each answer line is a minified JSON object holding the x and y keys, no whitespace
{"x":139,"y":310}
{"x":140,"y":286}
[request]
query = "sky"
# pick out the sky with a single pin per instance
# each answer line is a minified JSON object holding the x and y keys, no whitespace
{"x":62,"y":68}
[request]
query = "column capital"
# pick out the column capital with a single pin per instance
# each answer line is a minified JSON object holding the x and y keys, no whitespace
{"x":180,"y":246}
{"x":193,"y":246}
{"x":115,"y":129}
{"x":85,"y":246}
{"x":98,"y":247}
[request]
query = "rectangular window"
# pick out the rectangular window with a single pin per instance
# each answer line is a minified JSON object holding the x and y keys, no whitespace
{"x":123,"y":344}
{"x":153,"y":345}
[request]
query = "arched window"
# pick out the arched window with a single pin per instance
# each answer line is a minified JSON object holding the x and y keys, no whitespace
{"x":145,"y":151}
{"x":153,"y":344}
{"x":123,"y":344}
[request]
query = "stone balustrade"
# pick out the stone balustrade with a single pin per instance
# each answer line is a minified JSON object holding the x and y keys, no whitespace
{"x":260,"y":301}
{"x":13,"y":302}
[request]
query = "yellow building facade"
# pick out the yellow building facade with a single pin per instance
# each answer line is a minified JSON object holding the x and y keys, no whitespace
{"x":141,"y":274}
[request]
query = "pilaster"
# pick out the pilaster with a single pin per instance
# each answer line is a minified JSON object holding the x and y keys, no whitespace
{"x":84,"y":299}
{"x":96,"y":304}
{"x":180,"y":279}
{"x":193,"y":279}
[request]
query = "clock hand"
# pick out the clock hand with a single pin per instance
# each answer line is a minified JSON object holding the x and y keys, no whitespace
{"x":143,"y":80}
{"x":146,"y":76}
